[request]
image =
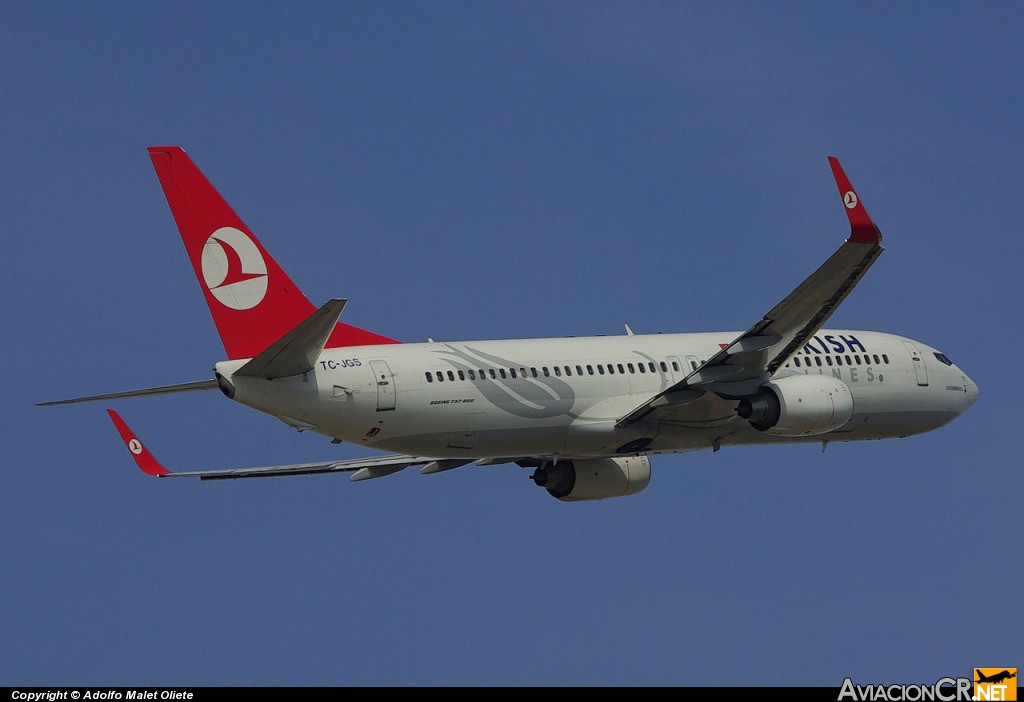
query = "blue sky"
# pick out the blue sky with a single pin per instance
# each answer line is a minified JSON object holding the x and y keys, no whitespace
{"x":491,"y":170}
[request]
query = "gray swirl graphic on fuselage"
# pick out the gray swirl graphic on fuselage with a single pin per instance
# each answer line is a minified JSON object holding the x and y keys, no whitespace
{"x":532,"y":398}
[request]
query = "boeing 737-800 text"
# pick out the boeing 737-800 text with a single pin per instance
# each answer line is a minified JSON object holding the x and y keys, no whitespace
{"x":585,"y":413}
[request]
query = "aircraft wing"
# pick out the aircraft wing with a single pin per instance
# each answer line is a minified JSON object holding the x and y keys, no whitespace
{"x":360,"y":468}
{"x":749,"y":360}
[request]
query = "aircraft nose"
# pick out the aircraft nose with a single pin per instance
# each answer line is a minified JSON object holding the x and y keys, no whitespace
{"x":971,"y":393}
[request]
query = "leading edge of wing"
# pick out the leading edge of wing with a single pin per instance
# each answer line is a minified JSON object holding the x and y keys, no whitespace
{"x":756,"y":354}
{"x":361,"y":468}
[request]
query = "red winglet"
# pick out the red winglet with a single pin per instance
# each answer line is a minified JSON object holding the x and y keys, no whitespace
{"x":862,"y":229}
{"x":143,"y":458}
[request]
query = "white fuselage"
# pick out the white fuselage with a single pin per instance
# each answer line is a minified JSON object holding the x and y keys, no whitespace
{"x":563,"y":397}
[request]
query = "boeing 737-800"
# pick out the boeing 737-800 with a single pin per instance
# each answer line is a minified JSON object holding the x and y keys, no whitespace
{"x":585,"y":413}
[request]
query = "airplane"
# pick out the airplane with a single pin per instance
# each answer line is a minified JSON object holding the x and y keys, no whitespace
{"x":996,"y":678}
{"x":585,"y":413}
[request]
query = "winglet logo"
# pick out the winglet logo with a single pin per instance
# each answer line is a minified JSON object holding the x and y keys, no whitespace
{"x":995,"y":684}
{"x":234,"y":269}
{"x":850,"y":199}
{"x":135,"y":446}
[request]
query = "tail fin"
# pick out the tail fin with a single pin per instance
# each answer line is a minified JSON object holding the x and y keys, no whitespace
{"x":253,"y":301}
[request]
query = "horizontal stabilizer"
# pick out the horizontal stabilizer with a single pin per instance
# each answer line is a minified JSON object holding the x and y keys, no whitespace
{"x":145,"y":392}
{"x":296,"y":351}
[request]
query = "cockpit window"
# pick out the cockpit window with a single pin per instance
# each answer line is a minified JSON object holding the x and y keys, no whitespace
{"x":942,"y":357}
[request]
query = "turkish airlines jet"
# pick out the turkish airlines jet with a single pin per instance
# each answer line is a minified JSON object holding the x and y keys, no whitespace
{"x":585,"y":413}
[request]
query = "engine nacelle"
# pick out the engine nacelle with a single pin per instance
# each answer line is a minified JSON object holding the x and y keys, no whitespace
{"x":594,"y":478}
{"x":799,"y":405}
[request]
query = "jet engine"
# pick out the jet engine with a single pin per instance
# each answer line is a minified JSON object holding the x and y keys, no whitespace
{"x":594,"y":478}
{"x":798,"y":405}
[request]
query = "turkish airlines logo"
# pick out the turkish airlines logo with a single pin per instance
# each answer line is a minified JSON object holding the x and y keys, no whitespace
{"x":850,"y":199}
{"x":234,"y":269}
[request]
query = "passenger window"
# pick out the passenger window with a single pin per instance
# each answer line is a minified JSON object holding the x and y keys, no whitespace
{"x":558,"y":371}
{"x":848,"y":361}
{"x":877,"y":361}
{"x":472,"y":374}
{"x":501,"y":371}
{"x":544,"y":370}
{"x":885,"y":358}
{"x":568,"y":370}
{"x":654,"y":368}
{"x":796,"y":362}
{"x":611,"y":369}
{"x":828,"y":360}
{"x":856,"y":358}
{"x":512,"y":371}
{"x":664,"y":367}
{"x":675,"y":365}
{"x":621,"y":369}
{"x":640,"y":367}
{"x":440,"y":377}
{"x":462,"y":376}
{"x":451,"y":376}
{"x":817,"y":360}
{"x":839,"y":360}
{"x":522,"y":372}
{"x":494,"y":376}
{"x":533,"y":371}
{"x":430,"y":378}
{"x":693,"y":365}
{"x":590,"y":370}
{"x":600,"y":369}
{"x":579,"y":370}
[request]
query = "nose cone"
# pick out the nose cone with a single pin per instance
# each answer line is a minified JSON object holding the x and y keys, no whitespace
{"x":971,"y":393}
